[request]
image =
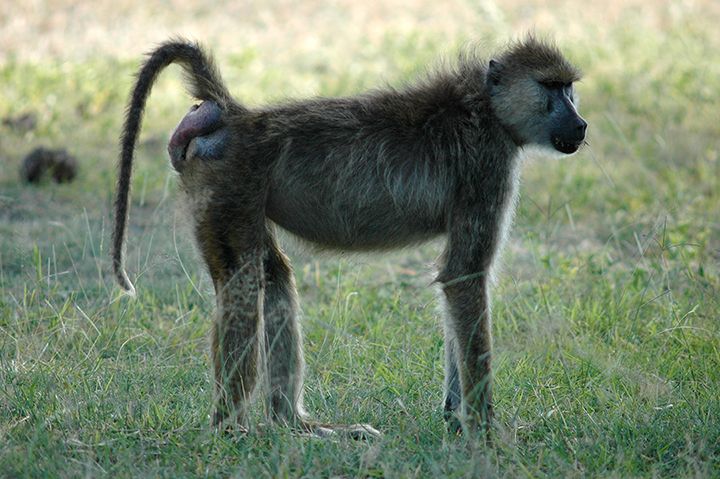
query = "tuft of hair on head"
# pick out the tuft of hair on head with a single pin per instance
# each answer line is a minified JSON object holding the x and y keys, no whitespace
{"x":539,"y":56}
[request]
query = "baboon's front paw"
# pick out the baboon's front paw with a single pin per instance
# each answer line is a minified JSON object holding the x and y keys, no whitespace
{"x":477,"y":428}
{"x":453,"y":424}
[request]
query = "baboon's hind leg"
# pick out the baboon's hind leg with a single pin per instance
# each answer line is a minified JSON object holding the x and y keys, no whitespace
{"x":285,"y":362}
{"x":236,"y":340}
{"x":228,"y":243}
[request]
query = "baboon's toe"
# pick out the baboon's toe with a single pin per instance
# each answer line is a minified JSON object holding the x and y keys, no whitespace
{"x":454,"y":426}
{"x":358,"y":432}
{"x":363,"y":432}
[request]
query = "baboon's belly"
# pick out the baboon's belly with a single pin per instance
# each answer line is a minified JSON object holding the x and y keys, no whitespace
{"x":352,"y":217}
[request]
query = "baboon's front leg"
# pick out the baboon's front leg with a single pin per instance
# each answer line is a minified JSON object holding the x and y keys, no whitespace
{"x":464,"y":279}
{"x":469,"y":320}
{"x":453,"y":393}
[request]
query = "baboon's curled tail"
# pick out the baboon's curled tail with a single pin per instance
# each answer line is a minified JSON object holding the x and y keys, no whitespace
{"x":204,"y":83}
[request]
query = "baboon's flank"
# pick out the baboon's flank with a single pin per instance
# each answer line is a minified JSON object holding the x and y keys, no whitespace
{"x":379,"y":170}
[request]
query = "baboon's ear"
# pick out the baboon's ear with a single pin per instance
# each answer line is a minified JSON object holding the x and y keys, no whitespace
{"x":494,"y":73}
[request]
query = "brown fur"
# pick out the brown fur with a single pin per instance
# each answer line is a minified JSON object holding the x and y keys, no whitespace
{"x":379,"y":170}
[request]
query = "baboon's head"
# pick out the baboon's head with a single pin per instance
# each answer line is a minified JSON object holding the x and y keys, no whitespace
{"x":531,"y":92}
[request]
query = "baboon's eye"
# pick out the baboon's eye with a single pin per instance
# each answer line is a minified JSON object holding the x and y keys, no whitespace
{"x":552,"y":85}
{"x":557,"y":85}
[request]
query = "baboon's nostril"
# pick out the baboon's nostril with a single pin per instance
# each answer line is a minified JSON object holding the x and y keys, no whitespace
{"x":582,"y":126}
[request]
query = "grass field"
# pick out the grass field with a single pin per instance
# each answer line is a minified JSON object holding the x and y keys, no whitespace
{"x":607,"y":341}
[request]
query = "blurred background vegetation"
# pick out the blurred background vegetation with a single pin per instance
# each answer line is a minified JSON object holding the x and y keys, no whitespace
{"x":606,"y":313}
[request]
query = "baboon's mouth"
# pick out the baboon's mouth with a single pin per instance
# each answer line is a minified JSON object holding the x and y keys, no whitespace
{"x":566,"y":147}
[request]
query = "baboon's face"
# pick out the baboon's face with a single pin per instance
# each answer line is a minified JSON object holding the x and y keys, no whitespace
{"x":565,"y":127}
{"x":538,"y":109}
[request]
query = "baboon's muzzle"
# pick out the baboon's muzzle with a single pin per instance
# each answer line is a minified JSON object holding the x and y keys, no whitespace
{"x":569,"y":139}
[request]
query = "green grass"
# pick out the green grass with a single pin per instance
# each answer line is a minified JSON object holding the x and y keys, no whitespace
{"x":607,"y":344}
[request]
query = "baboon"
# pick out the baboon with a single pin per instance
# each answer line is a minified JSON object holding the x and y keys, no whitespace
{"x":383,"y":169}
{"x":62,"y":165}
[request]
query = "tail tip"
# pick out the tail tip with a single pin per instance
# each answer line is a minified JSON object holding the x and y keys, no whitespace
{"x":125,"y":283}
